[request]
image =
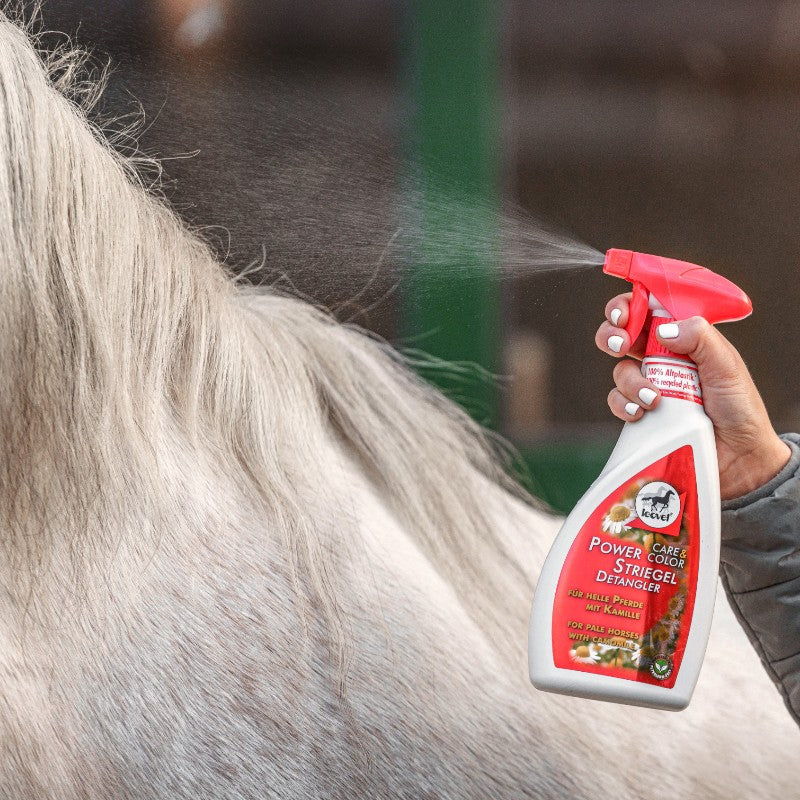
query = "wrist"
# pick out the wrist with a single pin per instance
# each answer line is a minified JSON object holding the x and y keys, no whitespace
{"x":746,"y":473}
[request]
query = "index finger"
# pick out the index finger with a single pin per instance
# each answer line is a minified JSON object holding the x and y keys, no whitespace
{"x":617,"y":309}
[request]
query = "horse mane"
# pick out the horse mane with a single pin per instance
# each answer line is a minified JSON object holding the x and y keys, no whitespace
{"x":124,"y":341}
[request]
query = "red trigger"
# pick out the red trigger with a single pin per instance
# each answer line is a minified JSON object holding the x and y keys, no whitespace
{"x":637,"y":311}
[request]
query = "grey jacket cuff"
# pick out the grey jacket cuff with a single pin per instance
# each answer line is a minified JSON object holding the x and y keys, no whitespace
{"x":760,"y":570}
{"x":793,"y":440}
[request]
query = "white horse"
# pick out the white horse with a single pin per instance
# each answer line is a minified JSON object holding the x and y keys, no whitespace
{"x":244,"y":553}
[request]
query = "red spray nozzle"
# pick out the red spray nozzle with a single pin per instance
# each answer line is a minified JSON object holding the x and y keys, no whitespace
{"x":683,"y":289}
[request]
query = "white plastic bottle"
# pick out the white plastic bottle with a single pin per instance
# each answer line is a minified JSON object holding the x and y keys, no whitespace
{"x":624,"y":603}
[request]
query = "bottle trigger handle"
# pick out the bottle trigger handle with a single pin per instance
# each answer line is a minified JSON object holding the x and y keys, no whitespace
{"x":637,"y":311}
{"x":683,"y":290}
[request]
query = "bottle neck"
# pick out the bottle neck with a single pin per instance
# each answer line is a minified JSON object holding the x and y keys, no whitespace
{"x":674,"y":374}
{"x":654,"y":347}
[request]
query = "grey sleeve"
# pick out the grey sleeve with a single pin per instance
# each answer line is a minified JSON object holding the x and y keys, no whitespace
{"x":760,"y":570}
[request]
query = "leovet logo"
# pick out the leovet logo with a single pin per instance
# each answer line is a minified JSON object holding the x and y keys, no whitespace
{"x":659,"y":506}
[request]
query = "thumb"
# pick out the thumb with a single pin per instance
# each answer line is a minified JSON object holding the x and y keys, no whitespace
{"x":703,"y":343}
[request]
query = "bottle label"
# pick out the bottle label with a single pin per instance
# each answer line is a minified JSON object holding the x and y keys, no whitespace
{"x":673,"y":378}
{"x":624,"y":601}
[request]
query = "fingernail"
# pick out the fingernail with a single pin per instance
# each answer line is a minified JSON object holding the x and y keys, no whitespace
{"x":647,"y":395}
{"x":631,"y":409}
{"x":669,"y":330}
{"x":616,"y":313}
{"x":615,"y":343}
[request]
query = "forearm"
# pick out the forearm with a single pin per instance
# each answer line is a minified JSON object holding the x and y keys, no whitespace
{"x":760,"y":570}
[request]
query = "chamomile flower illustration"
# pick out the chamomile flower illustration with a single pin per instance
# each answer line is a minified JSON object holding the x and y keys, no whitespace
{"x":618,"y":518}
{"x":618,"y":654}
{"x":585,"y":654}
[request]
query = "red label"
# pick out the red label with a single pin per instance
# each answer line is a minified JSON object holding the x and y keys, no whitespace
{"x":624,"y":601}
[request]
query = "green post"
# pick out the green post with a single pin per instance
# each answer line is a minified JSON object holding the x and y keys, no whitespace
{"x":451,"y":296}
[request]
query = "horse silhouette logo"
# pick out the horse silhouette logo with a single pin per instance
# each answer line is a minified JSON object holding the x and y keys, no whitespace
{"x":658,"y":504}
{"x":659,"y":500}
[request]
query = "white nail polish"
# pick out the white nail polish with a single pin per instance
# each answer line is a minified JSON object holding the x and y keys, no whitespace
{"x":669,"y":330}
{"x":615,"y":343}
{"x":647,"y":395}
{"x":631,"y":409}
{"x":616,"y":313}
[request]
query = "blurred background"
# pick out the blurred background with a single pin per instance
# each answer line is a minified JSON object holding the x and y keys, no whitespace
{"x":307,"y":140}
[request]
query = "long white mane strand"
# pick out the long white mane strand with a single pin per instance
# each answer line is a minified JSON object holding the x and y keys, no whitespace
{"x":121,"y":334}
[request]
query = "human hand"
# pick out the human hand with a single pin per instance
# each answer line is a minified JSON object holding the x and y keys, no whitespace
{"x":749,"y":451}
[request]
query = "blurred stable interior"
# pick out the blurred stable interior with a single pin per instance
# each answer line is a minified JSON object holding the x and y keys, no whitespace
{"x":668,"y":128}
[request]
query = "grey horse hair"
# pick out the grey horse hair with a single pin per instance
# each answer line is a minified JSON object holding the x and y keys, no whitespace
{"x":124,"y":322}
{"x":246,"y":553}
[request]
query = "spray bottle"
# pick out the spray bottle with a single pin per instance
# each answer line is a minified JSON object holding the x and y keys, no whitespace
{"x":623,"y":607}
